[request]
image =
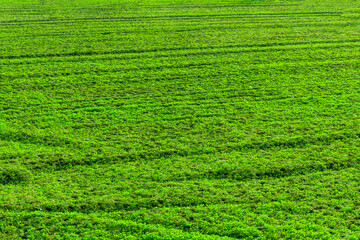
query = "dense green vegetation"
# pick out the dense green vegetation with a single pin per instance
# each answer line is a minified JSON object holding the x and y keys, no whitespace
{"x":179,"y":119}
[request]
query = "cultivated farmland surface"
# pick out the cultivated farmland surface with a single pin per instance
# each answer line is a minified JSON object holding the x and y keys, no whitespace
{"x":179,"y":119}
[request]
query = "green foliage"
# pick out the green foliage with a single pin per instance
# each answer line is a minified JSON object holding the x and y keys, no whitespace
{"x":14,"y":175}
{"x":179,"y":119}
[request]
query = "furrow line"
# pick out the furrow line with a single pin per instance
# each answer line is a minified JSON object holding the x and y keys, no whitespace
{"x":167,"y":17}
{"x":89,"y":53}
{"x":148,"y":156}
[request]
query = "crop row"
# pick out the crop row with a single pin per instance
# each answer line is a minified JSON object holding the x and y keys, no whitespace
{"x":258,"y":209}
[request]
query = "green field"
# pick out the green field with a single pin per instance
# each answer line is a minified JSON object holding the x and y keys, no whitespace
{"x":179,"y":119}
